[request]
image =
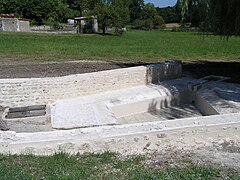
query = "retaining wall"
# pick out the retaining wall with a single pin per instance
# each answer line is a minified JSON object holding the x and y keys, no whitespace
{"x":39,"y":91}
{"x":36,"y":91}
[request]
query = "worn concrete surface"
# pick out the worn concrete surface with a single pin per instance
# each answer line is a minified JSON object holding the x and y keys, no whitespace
{"x":165,"y":113}
{"x":130,"y":139}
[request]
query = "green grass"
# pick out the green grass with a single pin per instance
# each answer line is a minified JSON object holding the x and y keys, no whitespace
{"x":94,"y":166}
{"x":148,"y":46}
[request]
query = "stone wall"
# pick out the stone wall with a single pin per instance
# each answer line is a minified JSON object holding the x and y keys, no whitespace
{"x":171,"y":69}
{"x":9,"y":24}
{"x":41,"y":28}
{"x":37,"y":91}
{"x":1,"y":25}
{"x":24,"y":26}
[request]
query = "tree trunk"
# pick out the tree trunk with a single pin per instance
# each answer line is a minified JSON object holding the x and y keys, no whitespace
{"x":104,"y":30}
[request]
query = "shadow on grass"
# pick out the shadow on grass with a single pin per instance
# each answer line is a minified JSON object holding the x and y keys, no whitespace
{"x":107,"y":34}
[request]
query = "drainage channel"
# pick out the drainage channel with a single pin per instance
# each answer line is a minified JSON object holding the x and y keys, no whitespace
{"x":24,"y":112}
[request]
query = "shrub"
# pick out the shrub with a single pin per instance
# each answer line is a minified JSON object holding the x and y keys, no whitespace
{"x":148,"y":24}
{"x":158,"y":22}
{"x":138,"y":24}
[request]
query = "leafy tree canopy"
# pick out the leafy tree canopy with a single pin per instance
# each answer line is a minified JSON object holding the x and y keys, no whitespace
{"x":218,"y":16}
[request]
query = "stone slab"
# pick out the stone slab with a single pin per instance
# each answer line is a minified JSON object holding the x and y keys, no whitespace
{"x":76,"y":114}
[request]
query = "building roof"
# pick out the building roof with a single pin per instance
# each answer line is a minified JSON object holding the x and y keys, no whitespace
{"x":24,"y":19}
{"x":85,"y":17}
{"x":12,"y":16}
{"x":7,"y":15}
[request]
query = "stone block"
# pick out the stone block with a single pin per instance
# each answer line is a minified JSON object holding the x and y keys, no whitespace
{"x":171,"y":69}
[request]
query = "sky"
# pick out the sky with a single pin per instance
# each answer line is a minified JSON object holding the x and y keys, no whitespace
{"x":162,"y":3}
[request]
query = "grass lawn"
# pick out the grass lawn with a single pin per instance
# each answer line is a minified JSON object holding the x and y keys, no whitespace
{"x":95,"y":166}
{"x":132,"y":46}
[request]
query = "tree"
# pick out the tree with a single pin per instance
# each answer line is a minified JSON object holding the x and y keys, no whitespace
{"x":224,"y":17}
{"x":138,"y":24}
{"x":42,"y":10}
{"x":82,"y":6}
{"x":148,"y":24}
{"x":197,"y":12}
{"x":120,"y":14}
{"x":135,"y":9}
{"x":112,"y":13}
{"x":221,"y":17}
{"x":184,"y":6}
{"x":149,"y":11}
{"x":76,"y":5}
{"x":11,"y":7}
{"x":145,"y":22}
{"x":39,"y":11}
{"x":170,"y":14}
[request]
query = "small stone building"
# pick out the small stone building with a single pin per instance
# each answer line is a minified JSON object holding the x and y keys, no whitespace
{"x":24,"y":25}
{"x":8,"y":23}
{"x":87,"y":24}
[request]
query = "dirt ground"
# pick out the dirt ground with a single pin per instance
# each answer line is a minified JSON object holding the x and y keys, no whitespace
{"x":32,"y":70}
{"x":53,"y":69}
{"x":224,"y":156}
